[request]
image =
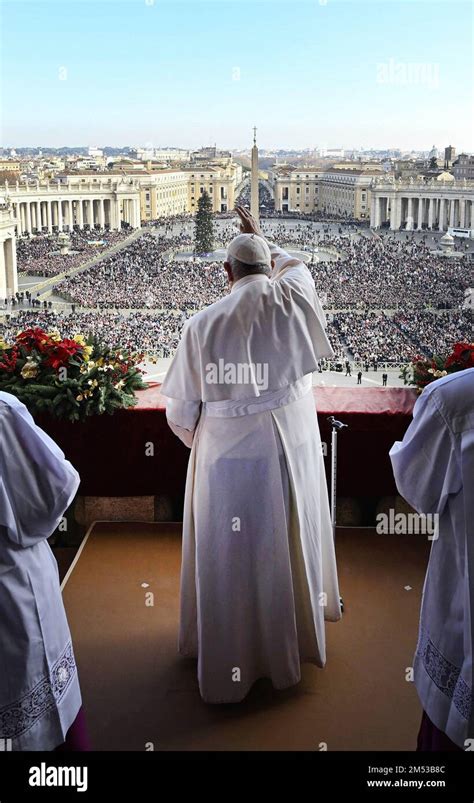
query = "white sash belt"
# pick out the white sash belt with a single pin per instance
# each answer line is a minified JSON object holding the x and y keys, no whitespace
{"x":269,"y":400}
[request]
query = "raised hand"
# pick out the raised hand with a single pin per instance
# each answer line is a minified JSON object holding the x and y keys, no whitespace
{"x":248,"y":224}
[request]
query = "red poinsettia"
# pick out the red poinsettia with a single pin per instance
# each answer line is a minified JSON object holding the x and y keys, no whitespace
{"x":462,"y":356}
{"x":9,"y":361}
{"x":35,"y":338}
{"x":59,"y":353}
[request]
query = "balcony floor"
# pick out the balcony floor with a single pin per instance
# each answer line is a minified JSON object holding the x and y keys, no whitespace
{"x":137,"y":691}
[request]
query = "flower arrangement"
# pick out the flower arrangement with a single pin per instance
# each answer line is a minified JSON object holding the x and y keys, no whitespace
{"x":422,"y":370}
{"x":68,"y":378}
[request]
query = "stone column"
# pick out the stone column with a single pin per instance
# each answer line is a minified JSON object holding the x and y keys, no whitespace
{"x":70,"y":215}
{"x":117,"y":215}
{"x":377,"y":201}
{"x":80,"y":210}
{"x":410,"y":214}
{"x":451,"y":212}
{"x":430,"y":213}
{"x":372,"y":212}
{"x":398,"y":211}
{"x":393,"y":223}
{"x":101,"y":214}
{"x":441,"y":214}
{"x":420,"y":214}
{"x":462,"y":212}
{"x":29,"y":227}
{"x":60,"y":215}
{"x":39,"y":224}
{"x":19,"y":223}
{"x":9,"y":258}
{"x":49,"y":217}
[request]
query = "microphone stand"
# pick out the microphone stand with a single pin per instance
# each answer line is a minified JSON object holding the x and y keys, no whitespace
{"x":336,"y":426}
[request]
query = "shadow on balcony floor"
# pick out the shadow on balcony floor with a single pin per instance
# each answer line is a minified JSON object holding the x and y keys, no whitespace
{"x":139,"y":694}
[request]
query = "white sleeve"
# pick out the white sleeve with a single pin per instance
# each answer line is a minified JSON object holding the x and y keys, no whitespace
{"x":293,"y":273}
{"x":37,"y":483}
{"x":182,"y":418}
{"x":425,"y":463}
{"x":284,"y":262}
{"x":182,"y":387}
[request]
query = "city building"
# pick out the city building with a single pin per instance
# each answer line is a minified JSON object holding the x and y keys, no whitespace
{"x":345,"y":190}
{"x":295,"y":190}
{"x":449,"y":156}
{"x":421,"y":205}
{"x":10,"y":166}
{"x":164,"y":193}
{"x":342,"y":190}
{"x":60,"y":205}
{"x":464,"y":167}
{"x":128,"y":192}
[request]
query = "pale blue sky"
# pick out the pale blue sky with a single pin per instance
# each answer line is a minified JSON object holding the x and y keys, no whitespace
{"x":340,"y":73}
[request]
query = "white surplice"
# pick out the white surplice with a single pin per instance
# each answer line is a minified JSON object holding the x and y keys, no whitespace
{"x":39,"y":688}
{"x":434,"y":472}
{"x":259,"y":571}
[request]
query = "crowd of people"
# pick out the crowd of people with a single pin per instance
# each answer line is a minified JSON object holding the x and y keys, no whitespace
{"x":155,"y":334}
{"x":143,"y":277}
{"x":41,"y":255}
{"x":384,"y":295}
{"x":371,"y":336}
{"x":380,"y":274}
{"x":425,"y":329}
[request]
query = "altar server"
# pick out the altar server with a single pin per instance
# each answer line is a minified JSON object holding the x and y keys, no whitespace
{"x":434,"y":472}
{"x":259,"y":571}
{"x":39,"y":687}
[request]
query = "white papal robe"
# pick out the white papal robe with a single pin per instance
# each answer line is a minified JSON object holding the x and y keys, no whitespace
{"x":258,"y":571}
{"x":434,"y":472}
{"x":39,"y":688}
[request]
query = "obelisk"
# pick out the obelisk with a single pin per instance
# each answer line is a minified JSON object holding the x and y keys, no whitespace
{"x":254,"y":178}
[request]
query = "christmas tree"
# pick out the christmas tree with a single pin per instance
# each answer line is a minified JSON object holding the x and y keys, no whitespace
{"x":204,"y":231}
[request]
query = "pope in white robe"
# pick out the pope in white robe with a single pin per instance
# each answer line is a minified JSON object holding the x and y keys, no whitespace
{"x":258,"y":569}
{"x":39,"y":688}
{"x":434,"y":472}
